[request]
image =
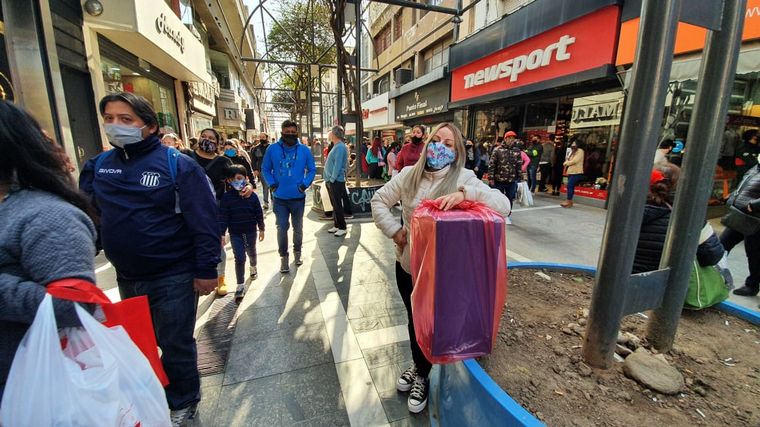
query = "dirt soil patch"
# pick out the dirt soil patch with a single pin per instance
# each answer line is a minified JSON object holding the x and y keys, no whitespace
{"x":537,"y":360}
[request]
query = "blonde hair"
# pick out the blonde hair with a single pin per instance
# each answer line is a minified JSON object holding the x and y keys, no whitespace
{"x":449,"y":183}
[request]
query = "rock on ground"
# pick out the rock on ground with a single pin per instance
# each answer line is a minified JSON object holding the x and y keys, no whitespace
{"x":653,"y":372}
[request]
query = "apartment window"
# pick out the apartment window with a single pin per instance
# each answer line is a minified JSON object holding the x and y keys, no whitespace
{"x":383,"y":39}
{"x":382,"y":85}
{"x":397,"y":29}
{"x":435,"y":56}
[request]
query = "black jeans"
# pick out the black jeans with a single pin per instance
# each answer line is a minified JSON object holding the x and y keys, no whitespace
{"x":341,"y":203}
{"x":173,"y":303}
{"x":730,"y":238}
{"x":546,"y":175}
{"x":405,"y":286}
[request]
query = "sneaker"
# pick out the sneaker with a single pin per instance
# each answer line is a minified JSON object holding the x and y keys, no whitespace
{"x":348,"y":216}
{"x":182,"y":417}
{"x":746,"y":291}
{"x":332,"y":230}
{"x":299,"y":261}
{"x":340,"y":233}
{"x":405,"y":381}
{"x":418,"y":397}
{"x":254,"y":273}
{"x":284,"y":265}
{"x":240,"y":292}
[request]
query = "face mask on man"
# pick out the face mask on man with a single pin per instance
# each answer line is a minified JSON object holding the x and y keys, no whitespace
{"x":290,"y":140}
{"x":439,"y":155}
{"x":120,"y":135}
{"x":207,"y":145}
{"x":239,"y":184}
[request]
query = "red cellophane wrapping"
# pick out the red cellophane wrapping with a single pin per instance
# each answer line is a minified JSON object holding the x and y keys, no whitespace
{"x":459,"y":268}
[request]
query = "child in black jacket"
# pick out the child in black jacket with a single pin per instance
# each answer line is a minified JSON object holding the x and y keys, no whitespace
{"x":241,"y":216}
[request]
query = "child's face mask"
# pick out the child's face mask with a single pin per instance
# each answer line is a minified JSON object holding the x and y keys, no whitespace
{"x":239,"y":184}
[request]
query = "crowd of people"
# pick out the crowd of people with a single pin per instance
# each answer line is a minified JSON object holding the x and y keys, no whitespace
{"x":162,"y":211}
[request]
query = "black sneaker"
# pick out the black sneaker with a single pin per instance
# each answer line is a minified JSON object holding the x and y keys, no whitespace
{"x":240,"y":293}
{"x":418,"y":397}
{"x":182,"y":417}
{"x":406,"y":380}
{"x":746,"y":291}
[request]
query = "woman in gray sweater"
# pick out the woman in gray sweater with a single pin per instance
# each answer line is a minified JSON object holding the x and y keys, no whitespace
{"x":46,"y":230}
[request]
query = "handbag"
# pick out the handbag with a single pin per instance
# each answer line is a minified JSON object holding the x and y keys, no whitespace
{"x":742,"y":222}
{"x":133,"y":314}
{"x":707,"y":287}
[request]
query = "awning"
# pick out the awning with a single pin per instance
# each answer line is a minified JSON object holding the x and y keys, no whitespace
{"x":150,"y":30}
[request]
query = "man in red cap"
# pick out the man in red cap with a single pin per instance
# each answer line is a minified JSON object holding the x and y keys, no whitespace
{"x":504,"y":168}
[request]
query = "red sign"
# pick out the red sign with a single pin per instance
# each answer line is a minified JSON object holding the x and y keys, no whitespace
{"x":588,"y":192}
{"x":365,"y":114}
{"x":579,"y":45}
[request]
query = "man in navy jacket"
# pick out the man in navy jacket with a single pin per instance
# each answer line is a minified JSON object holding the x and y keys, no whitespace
{"x":289,"y":169}
{"x":158,"y":227}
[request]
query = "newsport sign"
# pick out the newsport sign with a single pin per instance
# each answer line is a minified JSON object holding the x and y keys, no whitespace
{"x":425,"y":101}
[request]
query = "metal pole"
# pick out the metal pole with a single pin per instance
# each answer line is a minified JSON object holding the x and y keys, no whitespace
{"x":321,"y":114}
{"x":357,"y":98}
{"x":457,"y":19}
{"x":716,"y":80}
{"x":309,"y":119}
{"x":638,"y":140}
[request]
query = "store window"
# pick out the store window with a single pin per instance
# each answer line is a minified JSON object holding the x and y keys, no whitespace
{"x":120,"y":78}
{"x":492,"y":123}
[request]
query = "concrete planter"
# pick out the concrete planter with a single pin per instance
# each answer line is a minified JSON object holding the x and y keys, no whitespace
{"x":360,"y":198}
{"x":462,"y":394}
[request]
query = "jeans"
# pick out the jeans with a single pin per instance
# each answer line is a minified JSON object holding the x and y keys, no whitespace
{"x":173,"y":303}
{"x":341,"y":203}
{"x":730,"y":238}
{"x":546,"y":174}
{"x":286,"y":211}
{"x":243,"y":244}
{"x":264,"y":189}
{"x":405,"y":286}
{"x":572,"y":181}
{"x":509,"y":189}
{"x":532,"y":170}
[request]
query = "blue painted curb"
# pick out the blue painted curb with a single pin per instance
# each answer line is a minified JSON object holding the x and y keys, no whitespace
{"x":463,"y":394}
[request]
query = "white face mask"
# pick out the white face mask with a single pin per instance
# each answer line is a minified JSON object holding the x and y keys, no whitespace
{"x":120,"y":135}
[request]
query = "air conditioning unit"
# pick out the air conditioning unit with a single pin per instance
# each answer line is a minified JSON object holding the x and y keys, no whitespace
{"x":403,"y":76}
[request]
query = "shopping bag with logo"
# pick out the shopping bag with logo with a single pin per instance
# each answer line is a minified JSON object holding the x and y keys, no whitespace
{"x":459,"y":268}
{"x":100,"y":379}
{"x":132,"y":314}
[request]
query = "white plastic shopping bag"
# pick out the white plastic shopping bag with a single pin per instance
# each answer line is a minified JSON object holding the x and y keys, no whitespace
{"x":524,"y":196}
{"x":325,"y":195}
{"x":100,"y":379}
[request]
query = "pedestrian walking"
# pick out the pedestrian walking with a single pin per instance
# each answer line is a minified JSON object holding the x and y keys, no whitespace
{"x":233,"y":152}
{"x":393,"y":159}
{"x":485,"y":158}
{"x":257,"y":158}
{"x":473,"y":156}
{"x":439,"y":175}
{"x":534,"y":150}
{"x":158,"y":227}
{"x":574,"y":168}
{"x":376,"y":159}
{"x":46,"y":230}
{"x":545,"y":164}
{"x":558,"y":161}
{"x":747,"y":153}
{"x":289,"y":169}
{"x":241,"y":216}
{"x":411,"y":152}
{"x":335,"y":178}
{"x":505,"y":166}
{"x":746,"y":200}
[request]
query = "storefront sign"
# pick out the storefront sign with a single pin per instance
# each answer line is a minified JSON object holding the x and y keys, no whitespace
{"x":582,"y":44}
{"x":203,"y":97}
{"x":425,"y":101}
{"x":229,"y":114}
{"x":596,"y":111}
{"x":689,"y":38}
{"x":174,"y":35}
{"x":377,"y":112}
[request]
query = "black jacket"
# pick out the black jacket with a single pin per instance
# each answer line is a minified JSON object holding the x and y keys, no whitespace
{"x":654,"y":227}
{"x":748,"y":193}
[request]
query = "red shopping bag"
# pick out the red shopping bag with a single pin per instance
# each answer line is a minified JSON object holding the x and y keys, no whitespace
{"x":132,"y":314}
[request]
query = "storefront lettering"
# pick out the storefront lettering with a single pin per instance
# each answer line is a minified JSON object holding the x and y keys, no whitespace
{"x":230,"y":114}
{"x":174,"y":35}
{"x":512,"y":68}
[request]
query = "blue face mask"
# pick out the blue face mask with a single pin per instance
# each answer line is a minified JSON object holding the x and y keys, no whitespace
{"x":239,"y":184}
{"x":230,"y":152}
{"x":120,"y":135}
{"x":439,"y":156}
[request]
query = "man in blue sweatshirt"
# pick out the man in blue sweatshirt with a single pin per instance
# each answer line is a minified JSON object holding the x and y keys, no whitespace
{"x":158,"y":227}
{"x":289,"y":169}
{"x":335,"y":177}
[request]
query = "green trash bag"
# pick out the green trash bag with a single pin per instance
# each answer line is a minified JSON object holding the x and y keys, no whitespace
{"x":707,"y":287}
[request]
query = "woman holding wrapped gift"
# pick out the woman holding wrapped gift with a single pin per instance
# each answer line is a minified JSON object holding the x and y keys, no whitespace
{"x":438,"y":174}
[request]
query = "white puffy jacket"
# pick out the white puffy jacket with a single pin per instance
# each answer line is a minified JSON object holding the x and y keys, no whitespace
{"x":396,"y":190}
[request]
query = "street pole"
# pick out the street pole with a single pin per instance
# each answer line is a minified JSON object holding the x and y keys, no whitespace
{"x":309,"y":119}
{"x":716,"y":80}
{"x":457,"y":20}
{"x":358,"y":107}
{"x":638,"y":141}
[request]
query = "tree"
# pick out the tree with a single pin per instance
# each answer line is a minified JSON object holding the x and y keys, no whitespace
{"x":301,"y":33}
